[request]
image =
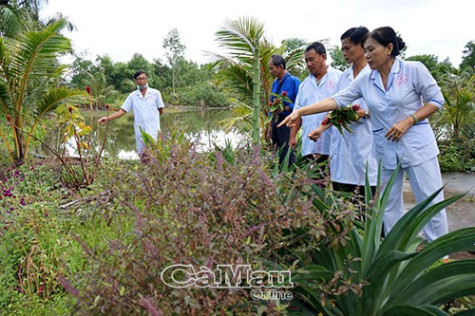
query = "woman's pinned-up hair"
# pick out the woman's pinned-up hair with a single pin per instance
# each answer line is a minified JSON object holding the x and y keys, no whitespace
{"x":386,"y":35}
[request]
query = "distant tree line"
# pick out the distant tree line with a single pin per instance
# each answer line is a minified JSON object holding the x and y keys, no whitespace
{"x":33,"y":82}
{"x":181,"y":82}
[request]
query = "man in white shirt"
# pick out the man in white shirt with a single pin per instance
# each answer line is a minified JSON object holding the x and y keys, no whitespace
{"x":147,"y":105}
{"x":320,"y":84}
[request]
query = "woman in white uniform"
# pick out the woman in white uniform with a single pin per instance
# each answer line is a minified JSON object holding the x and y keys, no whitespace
{"x":351,"y":153}
{"x":400,"y":95}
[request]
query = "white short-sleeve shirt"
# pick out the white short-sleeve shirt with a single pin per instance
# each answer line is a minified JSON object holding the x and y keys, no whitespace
{"x":309,"y":93}
{"x":350,"y":153}
{"x":146,"y":113}
{"x":409,"y":86}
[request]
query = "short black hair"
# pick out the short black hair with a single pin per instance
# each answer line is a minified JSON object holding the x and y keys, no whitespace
{"x":278,"y":60}
{"x":138,"y":73}
{"x":355,"y":34}
{"x":318,"y":47}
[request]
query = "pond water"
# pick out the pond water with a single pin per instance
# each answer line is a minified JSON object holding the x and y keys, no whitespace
{"x":199,"y":125}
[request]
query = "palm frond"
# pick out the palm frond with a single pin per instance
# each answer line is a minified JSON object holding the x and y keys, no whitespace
{"x":59,"y":95}
{"x":294,"y":58}
{"x":34,"y":53}
{"x":242,"y":113}
{"x":240,"y":36}
{"x":51,"y":101}
{"x":5,"y":100}
{"x":12,"y":20}
{"x":238,"y":79}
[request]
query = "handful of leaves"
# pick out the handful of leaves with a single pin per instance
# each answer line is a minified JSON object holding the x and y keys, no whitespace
{"x":341,"y":117}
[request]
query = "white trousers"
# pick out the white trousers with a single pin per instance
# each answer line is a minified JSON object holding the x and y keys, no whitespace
{"x":425,"y":179}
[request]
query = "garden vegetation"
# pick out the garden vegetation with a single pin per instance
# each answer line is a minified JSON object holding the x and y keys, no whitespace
{"x":91,"y":235}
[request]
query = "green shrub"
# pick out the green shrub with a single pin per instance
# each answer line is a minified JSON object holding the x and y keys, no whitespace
{"x":204,"y":94}
{"x":188,"y":209}
{"x":37,"y":237}
{"x":457,"y":155}
{"x":364,"y":275}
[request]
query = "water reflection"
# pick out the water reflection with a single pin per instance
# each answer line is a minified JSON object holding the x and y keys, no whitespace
{"x":200,"y":126}
{"x":206,"y":141}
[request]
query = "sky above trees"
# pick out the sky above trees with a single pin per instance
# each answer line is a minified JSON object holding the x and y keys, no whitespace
{"x":120,"y":28}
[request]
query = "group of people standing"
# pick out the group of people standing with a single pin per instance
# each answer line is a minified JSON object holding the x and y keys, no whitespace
{"x":395,"y":98}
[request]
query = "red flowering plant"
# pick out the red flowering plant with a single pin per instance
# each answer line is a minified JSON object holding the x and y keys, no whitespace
{"x":342,"y":117}
{"x":278,"y":104}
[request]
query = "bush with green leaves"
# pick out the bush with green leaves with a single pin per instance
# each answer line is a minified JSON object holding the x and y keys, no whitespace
{"x":364,"y":275}
{"x":203,"y":94}
{"x":189,"y":209}
{"x":458,"y":154}
{"x":108,"y":245}
{"x":39,"y":219}
{"x":31,"y":248}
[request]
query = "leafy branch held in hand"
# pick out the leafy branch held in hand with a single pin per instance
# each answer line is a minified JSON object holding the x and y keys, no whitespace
{"x":342,"y":117}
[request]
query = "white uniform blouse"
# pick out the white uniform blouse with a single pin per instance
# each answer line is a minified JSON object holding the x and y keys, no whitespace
{"x":146,"y":115}
{"x":310,"y":93}
{"x":351,"y":152}
{"x":409,"y":83}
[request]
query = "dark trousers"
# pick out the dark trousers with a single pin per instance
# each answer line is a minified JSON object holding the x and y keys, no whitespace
{"x":352,"y":188}
{"x":280,"y":139}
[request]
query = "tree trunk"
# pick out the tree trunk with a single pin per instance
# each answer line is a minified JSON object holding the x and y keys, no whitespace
{"x":256,"y":87}
{"x":20,"y":153}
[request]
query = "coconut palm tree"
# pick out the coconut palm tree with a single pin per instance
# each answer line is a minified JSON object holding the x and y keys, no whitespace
{"x":242,"y":38}
{"x":243,"y":68}
{"x":30,"y":81}
{"x":20,"y":15}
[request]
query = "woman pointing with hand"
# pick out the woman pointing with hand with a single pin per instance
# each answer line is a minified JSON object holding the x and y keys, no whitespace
{"x":400,"y":95}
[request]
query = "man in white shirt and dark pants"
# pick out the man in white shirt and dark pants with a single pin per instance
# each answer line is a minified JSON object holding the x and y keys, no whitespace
{"x":147,"y":105}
